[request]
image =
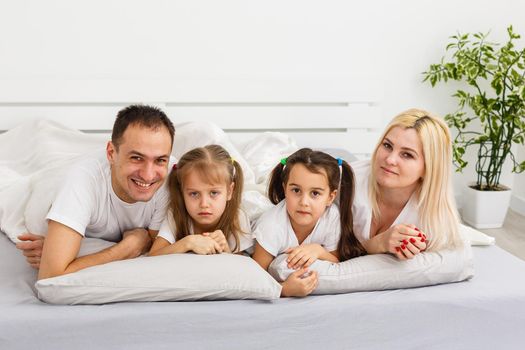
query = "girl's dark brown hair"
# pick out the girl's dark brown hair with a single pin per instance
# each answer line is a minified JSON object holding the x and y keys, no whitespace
{"x":316,"y":161}
{"x":215,"y":165}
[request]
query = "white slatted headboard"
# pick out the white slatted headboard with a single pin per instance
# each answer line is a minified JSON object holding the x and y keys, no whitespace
{"x":319,"y":113}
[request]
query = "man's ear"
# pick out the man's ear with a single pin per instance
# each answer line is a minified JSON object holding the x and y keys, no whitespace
{"x":110,"y":152}
{"x":230,"y":190}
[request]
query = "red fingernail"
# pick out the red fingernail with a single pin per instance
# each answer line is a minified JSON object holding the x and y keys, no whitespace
{"x":412,"y":240}
{"x":405,"y":241}
{"x":420,"y":235}
{"x":422,"y":240}
{"x":403,"y":247}
{"x":415,"y":228}
{"x":397,"y":249}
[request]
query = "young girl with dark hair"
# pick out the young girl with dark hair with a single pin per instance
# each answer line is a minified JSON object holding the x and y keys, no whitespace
{"x":305,"y":223}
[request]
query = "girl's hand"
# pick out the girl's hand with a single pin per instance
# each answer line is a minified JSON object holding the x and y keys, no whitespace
{"x":303,"y":255}
{"x":300,"y":283}
{"x":203,"y":245}
{"x":219,"y":237}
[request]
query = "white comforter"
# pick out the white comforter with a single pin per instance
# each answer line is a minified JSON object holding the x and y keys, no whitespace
{"x":35,"y":156}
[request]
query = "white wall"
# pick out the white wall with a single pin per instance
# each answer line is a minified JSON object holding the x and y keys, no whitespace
{"x":124,"y":39}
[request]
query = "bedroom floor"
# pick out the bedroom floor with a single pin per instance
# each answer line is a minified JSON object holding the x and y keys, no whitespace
{"x":511,"y":236}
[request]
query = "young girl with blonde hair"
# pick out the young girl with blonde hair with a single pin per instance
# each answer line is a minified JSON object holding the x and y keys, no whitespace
{"x":204,"y":214}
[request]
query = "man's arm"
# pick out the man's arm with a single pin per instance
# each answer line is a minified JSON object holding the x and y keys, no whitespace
{"x":63,"y":243}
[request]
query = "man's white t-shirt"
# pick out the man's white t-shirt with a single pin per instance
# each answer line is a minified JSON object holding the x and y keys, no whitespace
{"x":362,"y":210}
{"x":87,"y":203}
{"x":168,"y":231}
{"x":273,"y":231}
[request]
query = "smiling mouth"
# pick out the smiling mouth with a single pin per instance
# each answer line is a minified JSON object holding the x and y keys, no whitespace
{"x":143,"y":185}
{"x":388,"y":171}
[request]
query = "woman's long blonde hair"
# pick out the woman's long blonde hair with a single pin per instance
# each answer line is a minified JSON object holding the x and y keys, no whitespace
{"x":438,"y":214}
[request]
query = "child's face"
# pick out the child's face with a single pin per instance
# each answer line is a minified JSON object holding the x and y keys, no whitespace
{"x":205,"y":202}
{"x":307,"y":196}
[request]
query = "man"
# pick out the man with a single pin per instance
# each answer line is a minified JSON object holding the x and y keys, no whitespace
{"x":119,"y":197}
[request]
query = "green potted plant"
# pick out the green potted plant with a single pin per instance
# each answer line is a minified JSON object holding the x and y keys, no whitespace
{"x":490,"y":117}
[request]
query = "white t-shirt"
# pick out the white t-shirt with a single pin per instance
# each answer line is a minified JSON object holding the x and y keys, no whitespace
{"x":87,"y":203}
{"x":273,"y":231}
{"x":168,"y":231}
{"x":362,"y":210}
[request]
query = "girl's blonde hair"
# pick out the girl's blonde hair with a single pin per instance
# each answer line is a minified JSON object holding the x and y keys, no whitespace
{"x":437,"y":208}
{"x":214,"y":165}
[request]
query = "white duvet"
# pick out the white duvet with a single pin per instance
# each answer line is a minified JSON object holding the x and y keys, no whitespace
{"x":35,"y":156}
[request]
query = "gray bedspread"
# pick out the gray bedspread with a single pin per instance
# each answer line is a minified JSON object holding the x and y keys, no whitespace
{"x":486,"y":312}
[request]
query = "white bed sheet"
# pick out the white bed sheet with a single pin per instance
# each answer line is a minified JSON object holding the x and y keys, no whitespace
{"x":485,"y":312}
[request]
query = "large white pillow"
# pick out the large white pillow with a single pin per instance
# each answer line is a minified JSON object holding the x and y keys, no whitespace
{"x":384,"y":271}
{"x":163,"y":278}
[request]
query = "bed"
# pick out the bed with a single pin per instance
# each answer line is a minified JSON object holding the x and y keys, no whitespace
{"x":343,"y":115}
{"x":485,"y":312}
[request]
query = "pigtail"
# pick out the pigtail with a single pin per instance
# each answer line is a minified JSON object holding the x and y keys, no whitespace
{"x":349,"y":246}
{"x":275,"y":185}
{"x":177,"y":207}
{"x":229,"y":222}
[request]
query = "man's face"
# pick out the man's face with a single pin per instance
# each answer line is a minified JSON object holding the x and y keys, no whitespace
{"x":140,"y":165}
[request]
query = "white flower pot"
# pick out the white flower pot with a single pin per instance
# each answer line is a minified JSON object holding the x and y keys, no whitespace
{"x":485,"y":209}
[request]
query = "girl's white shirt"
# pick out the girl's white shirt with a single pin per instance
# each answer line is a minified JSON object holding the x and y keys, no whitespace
{"x":273,"y":231}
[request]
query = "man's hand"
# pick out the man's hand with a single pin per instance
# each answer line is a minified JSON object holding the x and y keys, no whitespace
{"x":137,"y":242}
{"x":31,"y":246}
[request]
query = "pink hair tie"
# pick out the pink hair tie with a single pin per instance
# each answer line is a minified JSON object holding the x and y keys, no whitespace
{"x":174,"y":166}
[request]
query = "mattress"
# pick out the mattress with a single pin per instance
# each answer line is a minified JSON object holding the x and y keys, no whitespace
{"x":485,"y":312}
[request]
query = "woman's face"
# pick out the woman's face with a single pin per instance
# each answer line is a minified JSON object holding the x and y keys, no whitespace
{"x":400,"y":162}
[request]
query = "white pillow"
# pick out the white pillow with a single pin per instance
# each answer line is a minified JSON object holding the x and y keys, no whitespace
{"x":475,"y":237}
{"x":163,"y":278}
{"x":384,"y":271}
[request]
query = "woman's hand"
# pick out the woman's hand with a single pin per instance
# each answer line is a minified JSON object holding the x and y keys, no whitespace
{"x":300,"y":283}
{"x":219,"y":237}
{"x":303,"y":255}
{"x":202,"y":245}
{"x":411,"y":246}
{"x":402,"y":240}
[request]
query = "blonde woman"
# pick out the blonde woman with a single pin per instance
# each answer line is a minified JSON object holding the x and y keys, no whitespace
{"x":403,"y":210}
{"x":404,"y":202}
